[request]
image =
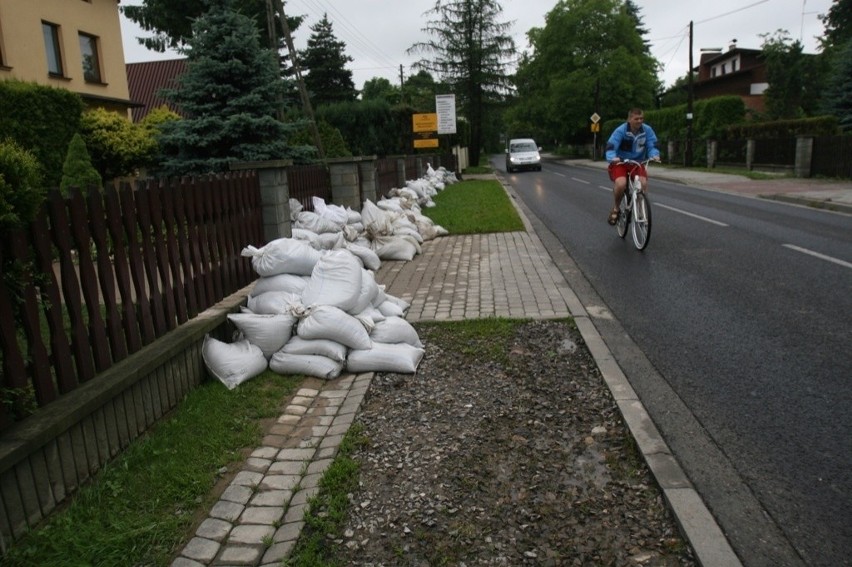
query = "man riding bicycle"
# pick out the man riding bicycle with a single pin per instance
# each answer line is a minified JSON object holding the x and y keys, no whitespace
{"x":633,"y":140}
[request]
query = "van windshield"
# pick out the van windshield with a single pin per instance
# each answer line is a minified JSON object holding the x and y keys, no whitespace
{"x":523,"y":147}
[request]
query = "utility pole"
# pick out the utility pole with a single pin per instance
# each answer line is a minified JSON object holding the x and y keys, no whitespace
{"x":303,"y":93}
{"x":273,"y":45}
{"x":689,"y":102}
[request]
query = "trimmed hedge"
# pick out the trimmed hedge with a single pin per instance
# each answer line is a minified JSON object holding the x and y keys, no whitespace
{"x":41,"y":120}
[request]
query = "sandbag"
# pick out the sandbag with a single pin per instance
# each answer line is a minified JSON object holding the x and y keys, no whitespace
{"x":395,"y":330}
{"x":320,"y":347}
{"x":309,"y":220}
{"x":290,"y":283}
{"x":307,"y":364}
{"x":336,"y":280}
{"x":394,"y":248}
{"x":390,"y":309}
{"x":273,"y":302}
{"x":269,"y":332}
{"x":368,"y":258}
{"x":369,"y":290}
{"x":232,"y":363}
{"x":330,"y":322}
{"x":402,"y":358}
{"x":283,"y":256}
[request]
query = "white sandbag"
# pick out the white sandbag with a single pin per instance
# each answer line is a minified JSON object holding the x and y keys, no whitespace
{"x":331,"y":240}
{"x":352,"y":216}
{"x":269,"y":332}
{"x":330,"y":322}
{"x":403,"y":304}
{"x":372,"y":315}
{"x":394,"y":248}
{"x":307,"y":364}
{"x":376,"y":221}
{"x":273,"y":302}
{"x":334,"y":213}
{"x":336,"y":280}
{"x":369,"y":258}
{"x":400,"y":357}
{"x":282,"y":256}
{"x":318,"y":347}
{"x":369,"y":290}
{"x":395,"y":330}
{"x":295,"y":208}
{"x":282,"y":282}
{"x":390,"y":309}
{"x":232,"y":363}
{"x":309,"y":220}
{"x":306,"y":235}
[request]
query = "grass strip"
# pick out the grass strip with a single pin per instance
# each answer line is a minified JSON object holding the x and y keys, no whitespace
{"x":475,"y":206}
{"x":140,"y":508}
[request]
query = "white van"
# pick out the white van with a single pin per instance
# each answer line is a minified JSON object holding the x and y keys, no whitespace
{"x":523,"y":153}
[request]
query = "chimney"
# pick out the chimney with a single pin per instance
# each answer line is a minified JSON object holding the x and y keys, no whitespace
{"x":733,"y":45}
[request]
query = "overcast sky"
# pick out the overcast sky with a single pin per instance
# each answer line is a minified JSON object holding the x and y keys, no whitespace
{"x":377,"y":33}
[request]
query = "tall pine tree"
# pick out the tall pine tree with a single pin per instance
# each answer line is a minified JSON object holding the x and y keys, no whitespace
{"x":471,"y":50}
{"x":324,"y":60}
{"x":230,"y":93}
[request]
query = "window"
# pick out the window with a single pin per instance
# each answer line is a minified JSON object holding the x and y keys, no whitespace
{"x":91,"y":61}
{"x":51,"y":48}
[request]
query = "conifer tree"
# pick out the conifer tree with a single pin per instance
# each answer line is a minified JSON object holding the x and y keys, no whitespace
{"x":470,"y":51}
{"x":231,"y":94}
{"x":324,"y":61}
{"x":78,"y":171}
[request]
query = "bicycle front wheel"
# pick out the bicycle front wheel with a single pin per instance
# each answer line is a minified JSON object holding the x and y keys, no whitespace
{"x":641,"y":225}
{"x":623,"y":217}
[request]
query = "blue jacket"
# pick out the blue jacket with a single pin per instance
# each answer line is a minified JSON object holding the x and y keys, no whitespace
{"x":624,"y":144}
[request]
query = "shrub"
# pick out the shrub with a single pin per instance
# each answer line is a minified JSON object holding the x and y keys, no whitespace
{"x":117,"y":146}
{"x":21,"y":189}
{"x":77,"y":171}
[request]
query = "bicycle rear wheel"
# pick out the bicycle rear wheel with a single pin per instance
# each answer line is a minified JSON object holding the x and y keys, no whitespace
{"x":623,"y":217}
{"x":641,"y":225}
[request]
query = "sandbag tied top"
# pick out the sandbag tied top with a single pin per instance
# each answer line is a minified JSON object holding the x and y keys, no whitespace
{"x":336,"y":280}
{"x":283,"y":256}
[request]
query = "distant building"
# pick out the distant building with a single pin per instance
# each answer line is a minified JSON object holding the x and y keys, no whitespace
{"x":145,"y":80}
{"x":68,"y":44}
{"x":738,"y":71}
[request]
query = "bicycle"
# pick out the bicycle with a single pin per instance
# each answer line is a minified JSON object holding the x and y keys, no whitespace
{"x":635,"y":208}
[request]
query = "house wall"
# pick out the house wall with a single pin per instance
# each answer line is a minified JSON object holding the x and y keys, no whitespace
{"x":23,"y":55}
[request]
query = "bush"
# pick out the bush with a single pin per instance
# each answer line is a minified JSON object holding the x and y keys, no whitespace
{"x":78,"y":170}
{"x":117,"y":146}
{"x":21,"y":189}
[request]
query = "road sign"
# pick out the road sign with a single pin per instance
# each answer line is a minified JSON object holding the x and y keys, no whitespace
{"x":595,"y":118}
{"x":424,"y":122}
{"x":596,"y":127}
{"x":445,"y":105}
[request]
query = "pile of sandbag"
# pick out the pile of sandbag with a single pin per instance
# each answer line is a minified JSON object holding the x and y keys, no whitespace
{"x":317,"y":313}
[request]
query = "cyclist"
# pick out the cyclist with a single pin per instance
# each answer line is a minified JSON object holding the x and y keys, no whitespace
{"x":632,"y":140}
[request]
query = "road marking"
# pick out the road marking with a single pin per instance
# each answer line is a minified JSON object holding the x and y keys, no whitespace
{"x":557,"y":173}
{"x":583,"y":181}
{"x":818,"y":255}
{"x":693,"y":215}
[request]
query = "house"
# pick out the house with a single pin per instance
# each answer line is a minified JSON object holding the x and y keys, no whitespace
{"x":144,"y":80}
{"x":69,"y":44}
{"x":738,"y":71}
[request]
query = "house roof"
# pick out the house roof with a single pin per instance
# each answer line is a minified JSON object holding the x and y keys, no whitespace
{"x":144,"y":81}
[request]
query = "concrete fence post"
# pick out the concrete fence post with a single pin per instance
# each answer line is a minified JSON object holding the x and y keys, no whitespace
{"x":804,"y":156}
{"x":750,"y":145}
{"x":274,"y":196}
{"x":712,"y":153}
{"x":369,"y":179}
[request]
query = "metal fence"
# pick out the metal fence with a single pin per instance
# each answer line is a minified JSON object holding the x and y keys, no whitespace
{"x":832,"y":156}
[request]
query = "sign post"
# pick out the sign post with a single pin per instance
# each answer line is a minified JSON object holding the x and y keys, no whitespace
{"x":596,"y":127}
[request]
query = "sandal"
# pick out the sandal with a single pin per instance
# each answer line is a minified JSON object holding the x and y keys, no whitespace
{"x":613,"y":216}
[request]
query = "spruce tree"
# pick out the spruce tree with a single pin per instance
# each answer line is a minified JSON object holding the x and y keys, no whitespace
{"x":471,"y":52}
{"x":230,"y":94}
{"x":327,"y":79}
{"x":78,"y":171}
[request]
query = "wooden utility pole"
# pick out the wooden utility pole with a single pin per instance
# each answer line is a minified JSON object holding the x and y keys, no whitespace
{"x":303,"y":93}
{"x":689,"y":102}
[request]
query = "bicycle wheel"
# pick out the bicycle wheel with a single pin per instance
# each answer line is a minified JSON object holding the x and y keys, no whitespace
{"x":623,"y":217}
{"x":641,"y":225}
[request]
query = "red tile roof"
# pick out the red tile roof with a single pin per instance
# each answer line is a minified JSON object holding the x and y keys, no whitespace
{"x":144,"y":81}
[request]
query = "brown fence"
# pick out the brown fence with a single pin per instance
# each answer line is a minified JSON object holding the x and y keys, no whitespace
{"x":307,"y":181}
{"x":387,"y":175}
{"x":832,"y":156}
{"x":101,"y":274}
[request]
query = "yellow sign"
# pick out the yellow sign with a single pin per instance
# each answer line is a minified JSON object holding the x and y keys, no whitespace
{"x":596,"y":127}
{"x":426,"y":143}
{"x":424,"y":122}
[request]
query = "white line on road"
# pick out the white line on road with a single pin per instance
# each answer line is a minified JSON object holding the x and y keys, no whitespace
{"x":557,"y":173}
{"x":581,"y":181}
{"x":818,"y":255}
{"x":693,"y":215}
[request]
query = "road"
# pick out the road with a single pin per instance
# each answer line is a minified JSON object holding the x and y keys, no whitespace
{"x":735,"y":328}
